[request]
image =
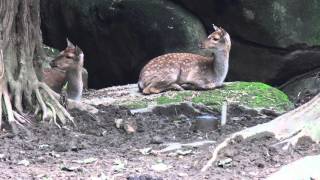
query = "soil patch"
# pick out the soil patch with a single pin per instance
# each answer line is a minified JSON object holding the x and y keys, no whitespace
{"x":95,"y":147}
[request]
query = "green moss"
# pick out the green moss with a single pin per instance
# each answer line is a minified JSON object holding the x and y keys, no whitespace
{"x":251,"y":94}
{"x":254,"y":95}
{"x":136,"y":105}
{"x":174,"y":98}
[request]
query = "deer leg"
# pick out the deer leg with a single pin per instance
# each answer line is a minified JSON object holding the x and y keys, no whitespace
{"x":160,"y":84}
{"x":151,"y":89}
{"x":162,"y":87}
{"x":157,"y":87}
{"x":176,"y":87}
{"x":199,"y":85}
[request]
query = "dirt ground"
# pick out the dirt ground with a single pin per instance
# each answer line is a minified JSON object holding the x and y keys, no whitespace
{"x":96,"y":149}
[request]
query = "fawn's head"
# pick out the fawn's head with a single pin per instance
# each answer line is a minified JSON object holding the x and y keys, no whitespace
{"x":71,"y":57}
{"x":218,"y":40}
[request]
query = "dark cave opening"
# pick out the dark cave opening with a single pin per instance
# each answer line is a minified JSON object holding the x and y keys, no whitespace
{"x":118,"y":39}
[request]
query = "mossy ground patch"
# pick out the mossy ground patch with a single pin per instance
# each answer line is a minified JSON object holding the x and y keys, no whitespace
{"x":251,"y":94}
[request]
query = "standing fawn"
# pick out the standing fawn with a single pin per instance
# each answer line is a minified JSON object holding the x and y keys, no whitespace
{"x":179,"y":71}
{"x":67,"y":70}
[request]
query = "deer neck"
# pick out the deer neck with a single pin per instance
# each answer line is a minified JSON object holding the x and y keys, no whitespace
{"x":75,"y":84}
{"x":220,"y":66}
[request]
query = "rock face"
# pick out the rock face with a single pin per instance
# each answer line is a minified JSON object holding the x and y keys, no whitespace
{"x":273,"y":23}
{"x":248,"y":94}
{"x":272,"y":40}
{"x":119,"y":37}
{"x":303,"y":87}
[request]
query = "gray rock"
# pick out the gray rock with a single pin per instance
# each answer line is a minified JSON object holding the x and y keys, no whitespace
{"x":119,"y":37}
{"x":272,"y":40}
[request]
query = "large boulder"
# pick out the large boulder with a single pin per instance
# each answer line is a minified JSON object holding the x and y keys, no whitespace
{"x":119,"y":37}
{"x":274,"y":23}
{"x":252,"y":95}
{"x":303,"y":87}
{"x":272,"y":40}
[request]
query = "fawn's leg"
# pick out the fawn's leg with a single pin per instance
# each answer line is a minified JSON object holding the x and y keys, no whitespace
{"x":158,"y":87}
{"x":199,"y":85}
{"x":161,"y":84}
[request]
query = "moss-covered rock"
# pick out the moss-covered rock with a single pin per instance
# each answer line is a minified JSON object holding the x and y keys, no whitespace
{"x":250,"y":94}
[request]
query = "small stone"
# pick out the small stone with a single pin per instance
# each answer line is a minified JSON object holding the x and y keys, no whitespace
{"x":182,"y":174}
{"x":156,"y":140}
{"x":225,"y":163}
{"x":2,"y":156}
{"x":24,"y":162}
{"x":41,"y":160}
{"x":118,"y":122}
{"x":130,"y":126}
{"x":160,"y":167}
{"x":61,"y":147}
{"x":260,"y":165}
{"x":145,"y":151}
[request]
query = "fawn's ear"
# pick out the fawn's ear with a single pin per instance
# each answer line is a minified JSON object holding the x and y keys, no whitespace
{"x":78,"y":50}
{"x":69,"y":44}
{"x":215,"y":28}
{"x":223,"y":31}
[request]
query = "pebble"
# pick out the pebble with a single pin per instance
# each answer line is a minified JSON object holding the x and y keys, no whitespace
{"x":156,"y":140}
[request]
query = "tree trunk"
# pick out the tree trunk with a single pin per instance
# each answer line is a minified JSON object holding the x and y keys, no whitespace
{"x":21,"y":42}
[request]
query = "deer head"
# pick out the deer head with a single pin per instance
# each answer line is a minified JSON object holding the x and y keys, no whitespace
{"x":69,"y":58}
{"x":218,"y":40}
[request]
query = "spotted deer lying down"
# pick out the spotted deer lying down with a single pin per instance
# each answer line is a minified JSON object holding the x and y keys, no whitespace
{"x":67,"y":69}
{"x":179,"y":71}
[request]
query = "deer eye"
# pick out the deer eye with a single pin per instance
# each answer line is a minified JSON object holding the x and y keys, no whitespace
{"x":216,"y":38}
{"x":70,"y":55}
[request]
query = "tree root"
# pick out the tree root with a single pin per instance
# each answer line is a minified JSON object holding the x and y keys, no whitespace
{"x":45,"y":101}
{"x":304,"y":168}
{"x":71,"y":103}
{"x":288,"y":128}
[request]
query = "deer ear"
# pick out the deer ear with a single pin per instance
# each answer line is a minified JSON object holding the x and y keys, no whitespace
{"x":222,"y":30}
{"x":215,"y":28}
{"x":78,"y":50}
{"x":69,"y":44}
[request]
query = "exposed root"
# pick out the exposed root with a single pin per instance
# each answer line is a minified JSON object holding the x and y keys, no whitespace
{"x":20,"y":119}
{"x":71,"y":103}
{"x":304,"y":168}
{"x":42,"y":104}
{"x":46,"y":103}
{"x":57,"y":110}
{"x":54,"y":115}
{"x":7,"y":104}
{"x":288,"y":128}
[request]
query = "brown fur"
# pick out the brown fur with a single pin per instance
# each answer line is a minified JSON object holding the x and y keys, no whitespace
{"x":66,"y":68}
{"x":179,"y":71}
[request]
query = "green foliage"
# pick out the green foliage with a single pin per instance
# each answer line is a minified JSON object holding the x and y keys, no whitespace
{"x":50,"y":52}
